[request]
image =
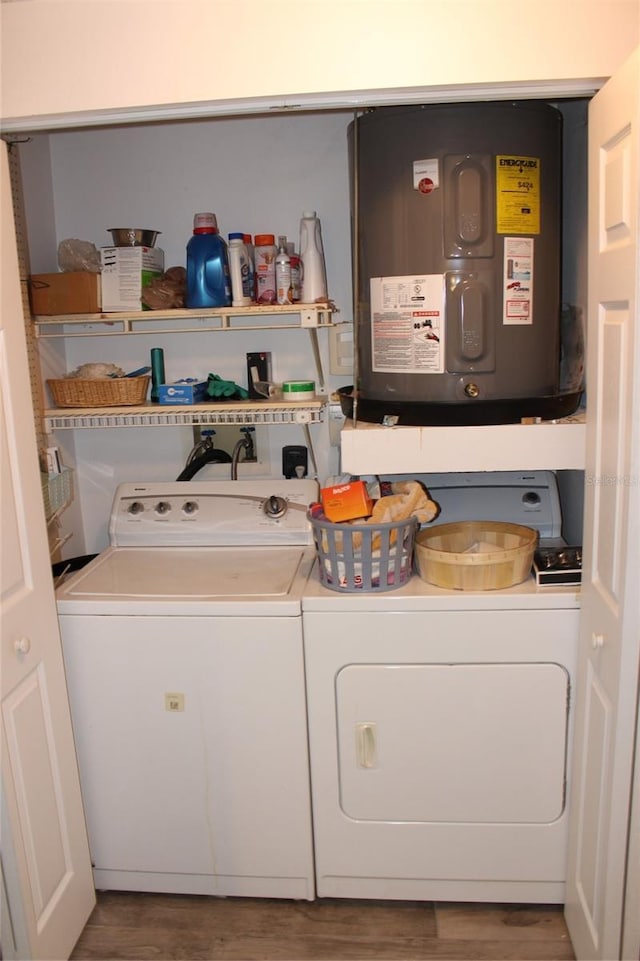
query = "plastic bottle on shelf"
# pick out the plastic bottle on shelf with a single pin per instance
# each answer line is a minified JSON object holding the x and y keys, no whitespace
{"x":248,"y":242}
{"x":296,"y":273}
{"x":157,"y":372}
{"x":284,"y":292}
{"x":314,"y":274}
{"x":265,"y":254}
{"x":241,"y":295}
{"x":208,"y":280}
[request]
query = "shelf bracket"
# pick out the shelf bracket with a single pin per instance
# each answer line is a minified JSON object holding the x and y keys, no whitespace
{"x":315,"y":347}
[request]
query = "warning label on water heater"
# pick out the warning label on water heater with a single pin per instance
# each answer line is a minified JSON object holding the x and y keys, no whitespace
{"x":517,"y":295}
{"x":426,"y":175}
{"x":407,"y":324}
{"x":517,"y":195}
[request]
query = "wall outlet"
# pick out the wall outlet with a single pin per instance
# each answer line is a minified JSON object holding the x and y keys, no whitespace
{"x":295,"y":461}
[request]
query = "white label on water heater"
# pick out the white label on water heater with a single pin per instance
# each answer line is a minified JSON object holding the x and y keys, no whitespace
{"x":407,"y":324}
{"x":517,"y":299}
{"x":426,"y":175}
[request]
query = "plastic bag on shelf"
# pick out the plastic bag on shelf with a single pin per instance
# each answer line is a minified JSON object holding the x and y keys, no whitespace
{"x":166,"y":292}
{"x":78,"y":255}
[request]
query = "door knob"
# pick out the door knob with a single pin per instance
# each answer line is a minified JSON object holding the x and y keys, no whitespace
{"x":22,"y":645}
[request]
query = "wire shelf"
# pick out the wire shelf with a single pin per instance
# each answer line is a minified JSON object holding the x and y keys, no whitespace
{"x":154,"y":415}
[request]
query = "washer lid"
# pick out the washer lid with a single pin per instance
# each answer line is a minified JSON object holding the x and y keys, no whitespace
{"x":141,"y":580}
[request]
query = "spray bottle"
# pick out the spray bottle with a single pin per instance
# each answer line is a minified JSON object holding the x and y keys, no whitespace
{"x":284,"y":290}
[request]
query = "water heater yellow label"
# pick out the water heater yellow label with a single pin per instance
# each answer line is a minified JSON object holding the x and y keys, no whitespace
{"x":517,"y":195}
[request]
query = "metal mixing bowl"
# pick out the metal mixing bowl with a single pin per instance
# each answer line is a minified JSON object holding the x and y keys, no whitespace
{"x":133,"y":236}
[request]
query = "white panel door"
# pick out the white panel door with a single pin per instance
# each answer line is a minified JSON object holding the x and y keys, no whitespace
{"x":45,"y":860}
{"x":609,"y":644}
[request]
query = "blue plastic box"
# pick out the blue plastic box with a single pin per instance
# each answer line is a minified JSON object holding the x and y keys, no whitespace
{"x":182,"y":392}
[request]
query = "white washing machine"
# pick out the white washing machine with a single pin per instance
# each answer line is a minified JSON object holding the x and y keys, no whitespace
{"x":440,"y":723}
{"x":183,"y":650}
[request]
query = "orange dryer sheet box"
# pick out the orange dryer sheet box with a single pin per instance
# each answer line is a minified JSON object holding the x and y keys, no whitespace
{"x":346,"y":502}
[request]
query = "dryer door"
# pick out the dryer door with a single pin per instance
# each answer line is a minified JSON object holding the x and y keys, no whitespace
{"x":452,"y":742}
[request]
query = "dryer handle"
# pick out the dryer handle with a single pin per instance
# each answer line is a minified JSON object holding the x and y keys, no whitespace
{"x":366,"y":747}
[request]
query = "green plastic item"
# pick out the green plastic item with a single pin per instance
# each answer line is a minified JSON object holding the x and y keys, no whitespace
{"x":225,"y":389}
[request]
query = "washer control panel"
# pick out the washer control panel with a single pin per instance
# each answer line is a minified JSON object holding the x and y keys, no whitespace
{"x":217,"y":513}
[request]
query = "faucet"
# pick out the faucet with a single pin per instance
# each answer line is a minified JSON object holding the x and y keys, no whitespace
{"x":245,"y":443}
{"x":201,"y":454}
{"x":204,"y":444}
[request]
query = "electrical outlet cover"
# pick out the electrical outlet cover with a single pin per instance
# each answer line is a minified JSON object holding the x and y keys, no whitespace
{"x":295,"y":457}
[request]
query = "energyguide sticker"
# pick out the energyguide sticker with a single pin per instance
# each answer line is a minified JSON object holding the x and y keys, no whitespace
{"x":517,"y":195}
{"x":407,"y":324}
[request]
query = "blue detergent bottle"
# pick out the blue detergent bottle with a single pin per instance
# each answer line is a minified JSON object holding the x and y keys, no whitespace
{"x":208,"y":278}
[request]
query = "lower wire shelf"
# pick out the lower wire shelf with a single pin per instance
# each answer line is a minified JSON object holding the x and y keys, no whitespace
{"x":153,"y":415}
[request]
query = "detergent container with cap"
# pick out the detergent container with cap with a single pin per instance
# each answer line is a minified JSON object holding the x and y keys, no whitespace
{"x":208,"y":279}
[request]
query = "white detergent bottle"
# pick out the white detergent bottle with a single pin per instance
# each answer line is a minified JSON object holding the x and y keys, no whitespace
{"x":314,"y":275}
{"x":239,"y":270}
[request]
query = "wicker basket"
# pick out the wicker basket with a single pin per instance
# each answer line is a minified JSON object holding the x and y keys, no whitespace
{"x":99,"y":392}
{"x":475,"y":555}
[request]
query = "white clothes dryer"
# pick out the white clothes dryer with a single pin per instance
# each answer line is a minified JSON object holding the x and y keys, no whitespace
{"x":440,"y":726}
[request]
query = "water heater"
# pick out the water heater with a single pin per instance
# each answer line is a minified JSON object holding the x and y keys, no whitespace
{"x":456,"y":225}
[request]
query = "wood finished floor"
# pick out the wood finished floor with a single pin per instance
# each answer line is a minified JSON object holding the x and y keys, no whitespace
{"x":128,"y":927}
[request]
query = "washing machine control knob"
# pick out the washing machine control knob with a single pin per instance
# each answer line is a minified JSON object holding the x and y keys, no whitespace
{"x":163,"y":507}
{"x":189,"y":507}
{"x":275,"y":506}
{"x":136,"y":508}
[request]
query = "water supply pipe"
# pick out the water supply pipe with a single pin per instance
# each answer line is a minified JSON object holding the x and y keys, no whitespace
{"x":245,"y":443}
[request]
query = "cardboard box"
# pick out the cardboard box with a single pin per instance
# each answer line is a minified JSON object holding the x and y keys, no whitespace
{"x":125,"y":271}
{"x":76,"y":292}
{"x":182,"y":392}
{"x":346,"y":502}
